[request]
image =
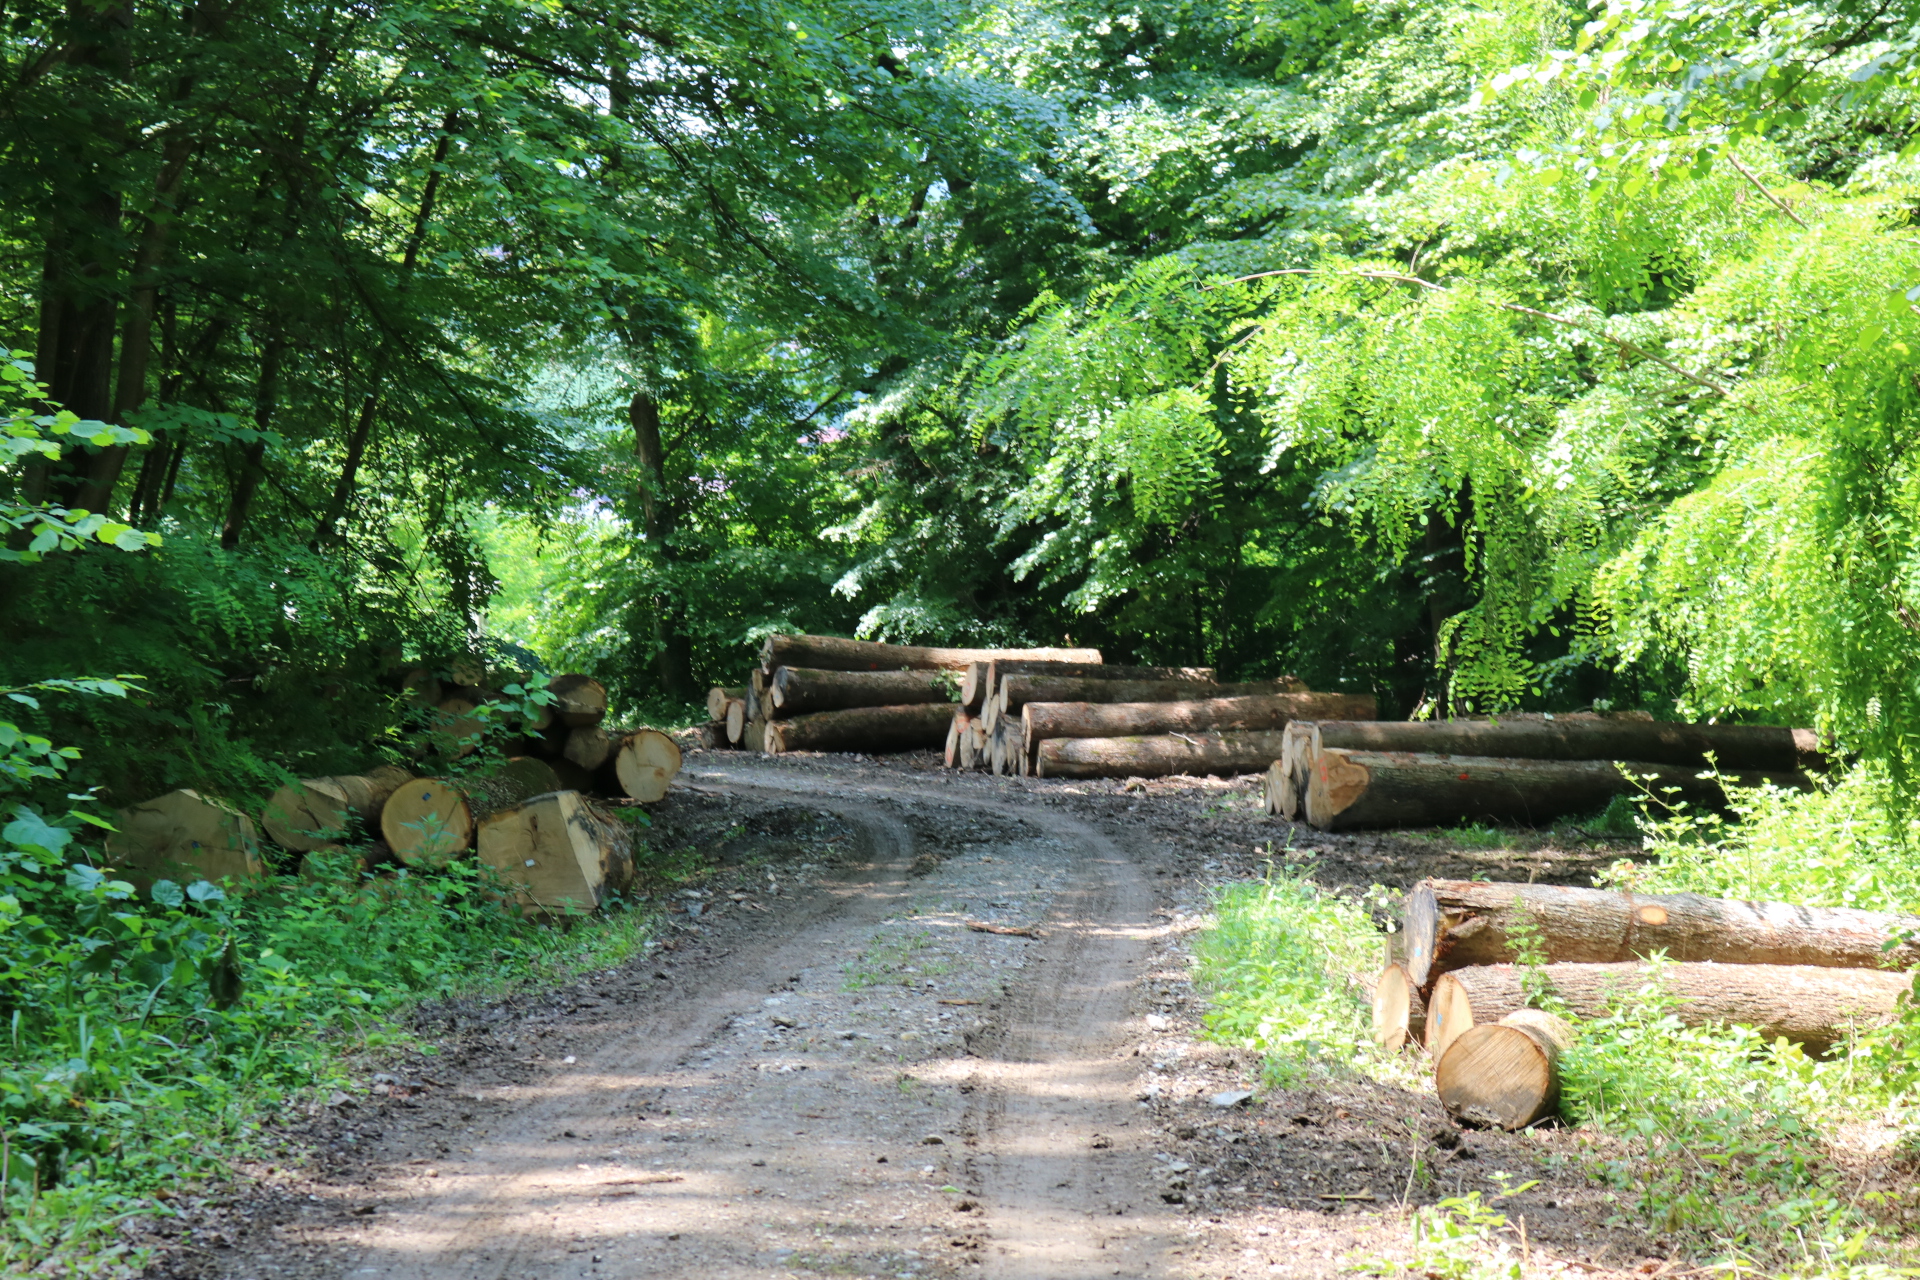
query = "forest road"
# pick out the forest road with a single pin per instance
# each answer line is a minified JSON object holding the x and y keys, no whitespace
{"x":864,"y":1084}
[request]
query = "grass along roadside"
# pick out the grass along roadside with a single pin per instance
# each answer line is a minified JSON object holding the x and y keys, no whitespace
{"x":1749,"y":1156}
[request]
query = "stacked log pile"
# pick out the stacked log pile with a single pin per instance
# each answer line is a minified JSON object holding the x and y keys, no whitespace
{"x":1341,"y":775}
{"x":1809,"y":975}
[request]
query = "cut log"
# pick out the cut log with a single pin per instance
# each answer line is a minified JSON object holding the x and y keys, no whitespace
{"x":560,"y":853}
{"x":456,"y":730}
{"x":1399,"y":1014}
{"x":988,"y":676}
{"x":1271,"y":788}
{"x":468,"y":670}
{"x":799,"y":690}
{"x":314,"y":812}
{"x":868,"y":729}
{"x":717,"y":700}
{"x":183,"y":836}
{"x":1015,"y":691}
{"x":529,"y":775}
{"x":1453,"y":924}
{"x":590,"y":747}
{"x":755,"y":738}
{"x":573,"y":778}
{"x":1040,"y":721}
{"x":830,"y":653}
{"x":959,"y":729}
{"x":736,"y":719}
{"x":1157,"y":756}
{"x":973,"y":685}
{"x":1585,"y":736}
{"x":421,"y":687}
{"x":582,"y":701}
{"x":999,"y":743}
{"x":1299,"y":744}
{"x":757,"y":705}
{"x":712,"y":736}
{"x":645,"y":764}
{"x":1504,"y":1075}
{"x":429,"y":822}
{"x":1805,"y":1004}
{"x":1348,"y":790}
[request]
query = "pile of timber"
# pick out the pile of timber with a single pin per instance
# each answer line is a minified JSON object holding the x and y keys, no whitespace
{"x":1340,"y":775}
{"x":1809,"y":975}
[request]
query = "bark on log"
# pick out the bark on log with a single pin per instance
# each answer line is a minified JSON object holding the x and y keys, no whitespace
{"x":799,"y":690}
{"x":1230,"y":753}
{"x":1348,"y":790}
{"x":561,"y":854}
{"x":717,"y":700}
{"x":184,"y":836}
{"x":1399,"y":1014}
{"x":582,"y":701}
{"x":643,"y":766}
{"x":988,"y":675}
{"x":755,"y":738}
{"x":589,"y":747}
{"x":1585,"y":736}
{"x":573,"y":778}
{"x":315,"y":812}
{"x":1015,"y":691}
{"x":1504,"y":1075}
{"x":1453,"y":924}
{"x":530,"y":774}
{"x":830,"y":653}
{"x":868,"y":729}
{"x":1806,"y":1004}
{"x":1040,"y":721}
{"x":429,"y":822}
{"x":712,"y":736}
{"x":736,"y":718}
{"x":756,"y":704}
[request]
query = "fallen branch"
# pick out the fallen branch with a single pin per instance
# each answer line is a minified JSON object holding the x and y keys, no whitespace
{"x":1005,"y":930}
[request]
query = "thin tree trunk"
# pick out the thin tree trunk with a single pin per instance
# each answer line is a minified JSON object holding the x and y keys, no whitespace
{"x":673,"y":649}
{"x":266,"y":401}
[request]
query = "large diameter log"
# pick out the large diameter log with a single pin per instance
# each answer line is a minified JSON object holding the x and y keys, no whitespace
{"x":1453,"y":924}
{"x":1504,"y":1075}
{"x":987,"y":676}
{"x":1806,"y":1004}
{"x":315,"y":812}
{"x":1043,"y":720}
{"x":799,"y":690}
{"x":736,"y":718}
{"x":1399,"y":1014}
{"x":1015,"y":692}
{"x":712,"y":735}
{"x":456,"y":730}
{"x":560,"y":854}
{"x":644,"y":765}
{"x":1348,"y":790}
{"x":590,"y":747}
{"x":1156,"y":756}
{"x":429,"y":822}
{"x":869,"y":729}
{"x":1586,"y":736}
{"x":717,"y":700}
{"x":184,"y":836}
{"x":755,"y":737}
{"x":582,"y":701}
{"x":830,"y":653}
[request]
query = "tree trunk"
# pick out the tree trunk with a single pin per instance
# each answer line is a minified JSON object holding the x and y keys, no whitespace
{"x":1454,"y":924}
{"x":717,"y":700}
{"x":252,"y":470}
{"x":1016,"y":691}
{"x":984,"y":677}
{"x":183,"y":836}
{"x":1229,"y":753}
{"x":1040,"y":721}
{"x":736,"y":720}
{"x":1505,"y":1075}
{"x":869,"y":729}
{"x":673,"y":649}
{"x":797,"y":690}
{"x":959,"y":729}
{"x":1349,"y":790}
{"x":314,"y":812}
{"x":590,"y":747}
{"x":1806,"y":1004}
{"x":429,"y":822}
{"x":713,"y":735}
{"x":830,"y":653}
{"x":755,"y":738}
{"x":1586,"y":737}
{"x":563,"y":854}
{"x":582,"y":701}
{"x":644,"y":765}
{"x":1399,"y":1014}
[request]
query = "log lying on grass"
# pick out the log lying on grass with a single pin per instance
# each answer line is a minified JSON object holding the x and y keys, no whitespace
{"x":1015,"y":692}
{"x":1156,"y":756}
{"x":642,"y":766}
{"x":1804,"y":1004}
{"x":582,"y":701}
{"x":429,"y":822}
{"x":315,"y":812}
{"x":1585,"y":736}
{"x":1454,"y":924}
{"x":184,"y":836}
{"x":907,"y":728}
{"x":1040,"y":721}
{"x":1399,"y":1014}
{"x":831,"y":653}
{"x":717,"y":700}
{"x":1348,"y":789}
{"x":1505,"y":1074}
{"x":799,"y":690}
{"x":562,"y":855}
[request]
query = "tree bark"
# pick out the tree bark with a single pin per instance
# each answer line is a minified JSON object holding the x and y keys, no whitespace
{"x":870,"y":729}
{"x":429,"y":822}
{"x":1349,"y":790}
{"x":831,"y":653}
{"x":1806,"y":1004}
{"x":673,"y":649}
{"x":266,"y":403}
{"x":582,"y":700}
{"x":563,"y":854}
{"x":982,"y":678}
{"x":1015,"y":691}
{"x":1585,"y":737}
{"x":1230,"y":753}
{"x":315,"y":812}
{"x":798,"y":690}
{"x":1505,"y":1075}
{"x":1454,"y":924}
{"x":1040,"y":721}
{"x":718,"y":698}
